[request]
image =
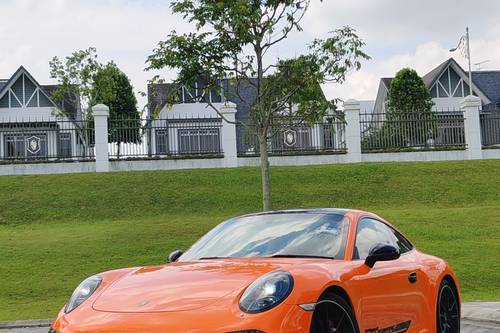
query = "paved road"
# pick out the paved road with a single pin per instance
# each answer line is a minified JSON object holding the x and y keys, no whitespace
{"x":467,"y":327}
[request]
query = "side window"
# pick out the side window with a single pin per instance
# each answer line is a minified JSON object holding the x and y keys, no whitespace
{"x":403,"y":244}
{"x":370,"y":233}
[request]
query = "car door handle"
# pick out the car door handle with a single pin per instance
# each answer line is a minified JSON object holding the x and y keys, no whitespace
{"x":412,"y":277}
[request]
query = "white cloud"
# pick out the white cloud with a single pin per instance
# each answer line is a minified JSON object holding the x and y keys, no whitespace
{"x":32,"y":32}
{"x":398,"y":34}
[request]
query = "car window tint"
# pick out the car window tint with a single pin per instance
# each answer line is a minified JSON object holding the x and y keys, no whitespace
{"x":403,"y":244}
{"x":267,"y":235}
{"x":370,"y":233}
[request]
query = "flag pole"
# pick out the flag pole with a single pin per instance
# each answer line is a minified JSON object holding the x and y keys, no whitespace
{"x":468,"y":57}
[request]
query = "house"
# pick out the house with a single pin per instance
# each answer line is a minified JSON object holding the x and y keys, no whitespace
{"x":448,"y":85}
{"x":32,"y":126}
{"x":189,"y":125}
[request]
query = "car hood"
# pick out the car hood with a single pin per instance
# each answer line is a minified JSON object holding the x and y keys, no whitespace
{"x":180,"y":286}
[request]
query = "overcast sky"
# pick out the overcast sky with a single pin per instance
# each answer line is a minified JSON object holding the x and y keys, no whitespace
{"x":398,"y":33}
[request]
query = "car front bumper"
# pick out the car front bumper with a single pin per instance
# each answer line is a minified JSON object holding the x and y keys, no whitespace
{"x":285,"y":318}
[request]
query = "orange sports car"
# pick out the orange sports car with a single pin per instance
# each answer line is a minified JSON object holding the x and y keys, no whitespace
{"x":315,"y":271}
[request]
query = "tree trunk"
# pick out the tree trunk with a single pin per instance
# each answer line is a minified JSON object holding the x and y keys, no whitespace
{"x":265,"y":175}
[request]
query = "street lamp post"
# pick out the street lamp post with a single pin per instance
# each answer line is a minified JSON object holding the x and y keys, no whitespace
{"x":466,"y":39}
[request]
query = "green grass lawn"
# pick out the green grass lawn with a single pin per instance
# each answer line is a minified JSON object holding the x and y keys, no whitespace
{"x":56,"y":230}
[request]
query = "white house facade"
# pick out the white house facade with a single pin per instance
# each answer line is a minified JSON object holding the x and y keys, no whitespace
{"x":31,"y":124}
{"x":191,"y":125}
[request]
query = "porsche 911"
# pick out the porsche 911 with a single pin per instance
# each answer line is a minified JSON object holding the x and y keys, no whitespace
{"x":309,"y":270}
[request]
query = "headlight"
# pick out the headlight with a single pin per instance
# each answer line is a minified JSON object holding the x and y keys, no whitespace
{"x":266,"y":292}
{"x":83,"y":292}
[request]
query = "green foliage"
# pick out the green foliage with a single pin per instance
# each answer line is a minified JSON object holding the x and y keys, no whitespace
{"x":56,"y":230}
{"x":88,"y":82}
{"x":112,"y":87}
{"x":75,"y":78}
{"x":408,"y":93}
{"x":409,"y":120}
{"x":231,"y":39}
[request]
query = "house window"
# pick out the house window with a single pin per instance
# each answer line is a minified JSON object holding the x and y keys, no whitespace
{"x":198,"y":92}
{"x":161,"y":140}
{"x":449,"y":84}
{"x":24,"y":93}
{"x":65,"y":150}
{"x":202,"y":140}
{"x":25,"y":146}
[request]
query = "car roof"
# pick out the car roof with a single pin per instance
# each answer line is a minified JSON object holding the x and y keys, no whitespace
{"x":333,"y":211}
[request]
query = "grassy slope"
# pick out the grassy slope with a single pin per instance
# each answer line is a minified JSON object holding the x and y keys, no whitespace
{"x":56,"y":230}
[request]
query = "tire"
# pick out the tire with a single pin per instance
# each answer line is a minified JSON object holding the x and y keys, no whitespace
{"x":447,"y":309}
{"x":333,"y":314}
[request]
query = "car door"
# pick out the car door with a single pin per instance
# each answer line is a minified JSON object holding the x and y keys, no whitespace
{"x":387,"y":295}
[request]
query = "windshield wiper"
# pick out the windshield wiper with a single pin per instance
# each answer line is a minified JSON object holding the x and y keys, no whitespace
{"x":299,"y":256}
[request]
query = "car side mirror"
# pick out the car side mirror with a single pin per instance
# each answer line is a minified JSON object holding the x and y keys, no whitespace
{"x":381,"y":252}
{"x":172,"y":257}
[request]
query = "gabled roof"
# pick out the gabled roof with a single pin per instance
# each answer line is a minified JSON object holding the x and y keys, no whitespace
{"x":489,"y":83}
{"x":433,"y":75}
{"x":386,"y":81}
{"x":47,"y":90}
{"x":481,"y":83}
{"x":242,"y":93}
{"x":158,"y":95}
{"x":3,"y":82}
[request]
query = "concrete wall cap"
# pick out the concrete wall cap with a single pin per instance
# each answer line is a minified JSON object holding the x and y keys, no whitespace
{"x":100,"y":110}
{"x":352,"y":105}
{"x":471,"y":100}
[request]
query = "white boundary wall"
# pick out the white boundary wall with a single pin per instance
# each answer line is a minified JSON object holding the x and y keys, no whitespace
{"x":470,"y":106}
{"x":214,"y":163}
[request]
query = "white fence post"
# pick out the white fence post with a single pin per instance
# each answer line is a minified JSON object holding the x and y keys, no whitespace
{"x":101,"y":114}
{"x":228,"y":135}
{"x":472,"y":126}
{"x":352,"y":130}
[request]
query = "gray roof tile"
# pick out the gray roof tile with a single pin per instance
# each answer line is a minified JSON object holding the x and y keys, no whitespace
{"x":489,"y":83}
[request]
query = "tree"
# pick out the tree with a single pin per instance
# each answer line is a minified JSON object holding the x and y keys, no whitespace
{"x":75,"y":79}
{"x":410,"y":109}
{"x":408,"y":93}
{"x":84,"y":82}
{"x":231,"y":40}
{"x":112,"y":87}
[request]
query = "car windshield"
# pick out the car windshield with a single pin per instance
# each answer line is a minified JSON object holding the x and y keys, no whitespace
{"x":274,"y":235}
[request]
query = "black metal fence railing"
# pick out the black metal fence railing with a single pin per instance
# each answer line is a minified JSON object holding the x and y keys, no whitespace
{"x":490,"y":128}
{"x":412,"y":131}
{"x":51,"y":139}
{"x":163,"y":138}
{"x":293,"y":136}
